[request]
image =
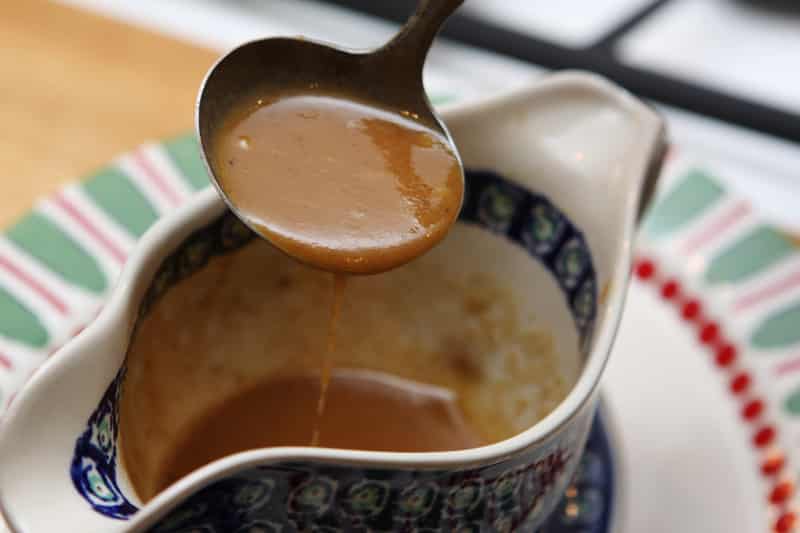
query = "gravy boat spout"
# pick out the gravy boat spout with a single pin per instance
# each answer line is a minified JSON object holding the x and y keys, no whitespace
{"x":557,"y":174}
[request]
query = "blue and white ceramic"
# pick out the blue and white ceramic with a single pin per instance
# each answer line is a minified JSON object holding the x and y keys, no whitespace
{"x":556,"y":175}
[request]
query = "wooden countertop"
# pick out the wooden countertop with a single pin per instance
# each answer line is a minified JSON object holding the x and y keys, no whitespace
{"x":77,"y":89}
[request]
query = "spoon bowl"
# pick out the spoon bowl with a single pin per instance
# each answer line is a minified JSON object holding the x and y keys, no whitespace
{"x":388,"y":78}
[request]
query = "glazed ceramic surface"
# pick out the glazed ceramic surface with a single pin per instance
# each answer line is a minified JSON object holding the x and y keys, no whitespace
{"x":529,"y":152}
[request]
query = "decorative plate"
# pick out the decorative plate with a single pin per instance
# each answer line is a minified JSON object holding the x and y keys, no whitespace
{"x":59,"y":262}
{"x":705,"y":378}
{"x":704,"y":384}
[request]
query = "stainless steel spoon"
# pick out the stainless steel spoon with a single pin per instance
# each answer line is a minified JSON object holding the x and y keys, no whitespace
{"x":390,"y":77}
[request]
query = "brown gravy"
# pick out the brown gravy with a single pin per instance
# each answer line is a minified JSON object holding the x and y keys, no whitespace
{"x":341,"y":185}
{"x":339,"y":284}
{"x":252,"y":319}
{"x":365,"y":410}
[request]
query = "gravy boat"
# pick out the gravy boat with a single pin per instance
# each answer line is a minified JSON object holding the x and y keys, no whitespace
{"x":558,"y":173}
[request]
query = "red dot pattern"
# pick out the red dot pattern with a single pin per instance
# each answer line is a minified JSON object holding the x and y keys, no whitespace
{"x":645,"y":269}
{"x":782,"y":492}
{"x":670,"y":289}
{"x":752,"y":409}
{"x":773,"y":464}
{"x":726,"y":357}
{"x":740,"y":383}
{"x":764,"y":436}
{"x":709,"y":333}
{"x":691,"y":310}
{"x":785,"y":524}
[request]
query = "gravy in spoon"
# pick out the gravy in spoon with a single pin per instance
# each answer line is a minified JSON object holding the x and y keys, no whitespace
{"x":336,"y":183}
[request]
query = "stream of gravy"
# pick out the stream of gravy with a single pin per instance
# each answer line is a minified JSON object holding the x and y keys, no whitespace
{"x":339,"y":284}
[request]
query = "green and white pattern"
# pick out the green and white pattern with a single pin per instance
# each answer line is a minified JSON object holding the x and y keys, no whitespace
{"x":734,"y":279}
{"x":59,"y":262}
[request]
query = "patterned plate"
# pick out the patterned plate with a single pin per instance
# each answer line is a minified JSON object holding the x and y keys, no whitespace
{"x":706,"y":374}
{"x":719,"y":288}
{"x":59,"y":262}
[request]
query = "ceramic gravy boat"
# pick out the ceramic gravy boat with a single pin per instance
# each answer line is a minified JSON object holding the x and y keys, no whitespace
{"x":557,"y":175}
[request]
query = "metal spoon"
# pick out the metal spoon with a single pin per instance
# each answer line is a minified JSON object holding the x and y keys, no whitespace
{"x":389,"y":76}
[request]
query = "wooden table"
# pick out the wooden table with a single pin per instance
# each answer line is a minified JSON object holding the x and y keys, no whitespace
{"x":77,"y":89}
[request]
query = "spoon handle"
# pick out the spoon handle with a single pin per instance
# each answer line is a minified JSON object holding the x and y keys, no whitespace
{"x":412,"y":42}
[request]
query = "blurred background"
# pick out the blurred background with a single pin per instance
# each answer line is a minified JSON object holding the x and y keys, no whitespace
{"x":87,"y":79}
